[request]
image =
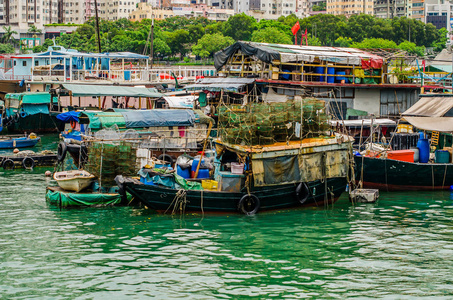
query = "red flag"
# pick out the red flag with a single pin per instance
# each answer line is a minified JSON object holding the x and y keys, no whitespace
{"x":295,"y":28}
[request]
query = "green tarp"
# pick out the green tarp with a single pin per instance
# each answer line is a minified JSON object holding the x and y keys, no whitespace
{"x":32,"y":98}
{"x":63,"y":199}
{"x":83,"y":90}
{"x":33,"y":109}
{"x":100,"y":120}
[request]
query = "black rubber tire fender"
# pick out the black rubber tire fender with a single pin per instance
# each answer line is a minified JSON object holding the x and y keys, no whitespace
{"x":61,"y":151}
{"x":302,"y":192}
{"x":166,"y":157}
{"x":249,"y":204}
{"x":8,"y":164}
{"x":28,"y":163}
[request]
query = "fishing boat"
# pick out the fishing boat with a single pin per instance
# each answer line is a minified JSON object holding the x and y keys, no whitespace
{"x":74,"y":180}
{"x":253,"y":173}
{"x":11,"y":142}
{"x":28,"y":159}
{"x":425,"y":167}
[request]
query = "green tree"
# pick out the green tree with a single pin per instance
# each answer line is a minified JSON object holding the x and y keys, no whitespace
{"x":375,"y":43}
{"x":178,"y":41}
{"x":211,"y":43}
{"x":240,"y":27}
{"x":160,"y":47}
{"x":8,"y":35}
{"x":271,"y":35}
{"x":343,"y":42}
{"x":320,"y":7}
{"x":412,"y":48}
{"x":6,"y":48}
{"x":441,"y":41}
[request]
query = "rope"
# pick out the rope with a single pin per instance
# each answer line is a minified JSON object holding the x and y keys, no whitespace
{"x":445,"y":175}
{"x":202,"y":210}
{"x":179,"y":201}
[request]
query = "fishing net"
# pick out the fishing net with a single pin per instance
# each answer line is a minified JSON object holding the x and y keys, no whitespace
{"x":267,"y":123}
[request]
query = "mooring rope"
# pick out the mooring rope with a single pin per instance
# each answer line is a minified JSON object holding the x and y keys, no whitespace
{"x":180,"y":201}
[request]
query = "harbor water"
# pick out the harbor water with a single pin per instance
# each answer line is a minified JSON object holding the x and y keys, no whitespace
{"x":398,"y":248}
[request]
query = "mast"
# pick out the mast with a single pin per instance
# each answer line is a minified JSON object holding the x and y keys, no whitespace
{"x":97,"y":25}
{"x":152,"y":42}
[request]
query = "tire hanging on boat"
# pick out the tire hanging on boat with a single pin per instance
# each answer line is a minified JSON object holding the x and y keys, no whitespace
{"x":166,"y":158}
{"x":8,"y":164}
{"x":302,"y":192}
{"x":61,"y":151}
{"x":249,"y":204}
{"x":28,"y":163}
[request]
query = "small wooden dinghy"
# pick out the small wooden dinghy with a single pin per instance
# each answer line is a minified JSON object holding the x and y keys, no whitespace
{"x":74,"y":180}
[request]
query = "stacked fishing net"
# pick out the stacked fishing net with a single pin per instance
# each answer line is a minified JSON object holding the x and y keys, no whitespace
{"x":108,"y":159}
{"x":267,"y":123}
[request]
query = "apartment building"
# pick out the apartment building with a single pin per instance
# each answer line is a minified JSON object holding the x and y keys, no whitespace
{"x":389,"y":9}
{"x":349,"y":7}
{"x":273,"y":9}
{"x":147,"y":11}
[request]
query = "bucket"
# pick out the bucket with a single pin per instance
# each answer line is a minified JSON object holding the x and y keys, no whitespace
{"x":184,"y":173}
{"x":442,"y":156}
{"x":330,"y":79}
{"x":127,"y":75}
{"x":423,"y":147}
{"x":320,"y":70}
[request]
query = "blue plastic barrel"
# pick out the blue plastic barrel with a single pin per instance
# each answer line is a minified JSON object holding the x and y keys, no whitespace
{"x":184,"y":173}
{"x":203,"y":173}
{"x":423,"y":146}
{"x":442,"y":156}
{"x":195,"y":164}
{"x":320,"y":70}
{"x":330,"y":79}
{"x":340,"y":78}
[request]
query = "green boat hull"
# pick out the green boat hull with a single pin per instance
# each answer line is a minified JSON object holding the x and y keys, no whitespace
{"x":282,"y":196}
{"x":395,"y":175}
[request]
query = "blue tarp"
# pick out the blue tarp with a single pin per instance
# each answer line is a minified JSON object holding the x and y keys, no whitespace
{"x":69,"y":116}
{"x":158,"y":118}
{"x":33,"y":109}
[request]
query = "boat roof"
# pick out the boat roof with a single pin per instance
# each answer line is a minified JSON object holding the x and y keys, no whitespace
{"x":58,"y":51}
{"x":292,"y":147}
{"x":82,"y":90}
{"x":295,"y":53}
{"x":180,"y":101}
{"x":363,"y":122}
{"x":32,"y":97}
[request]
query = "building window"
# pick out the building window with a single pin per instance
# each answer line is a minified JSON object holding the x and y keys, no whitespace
{"x":24,"y":63}
{"x":36,"y":63}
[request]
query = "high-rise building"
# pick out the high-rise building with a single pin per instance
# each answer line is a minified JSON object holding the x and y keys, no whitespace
{"x":388,"y":9}
{"x":273,"y":9}
{"x":349,"y":7}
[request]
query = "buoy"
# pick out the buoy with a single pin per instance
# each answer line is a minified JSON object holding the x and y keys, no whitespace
{"x":48,"y":173}
{"x":16,"y":150}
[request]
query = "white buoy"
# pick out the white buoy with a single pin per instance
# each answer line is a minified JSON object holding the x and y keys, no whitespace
{"x":48,"y":173}
{"x":16,"y":151}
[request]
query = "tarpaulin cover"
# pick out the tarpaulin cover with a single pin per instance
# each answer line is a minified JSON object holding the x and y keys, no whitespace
{"x":33,"y":109}
{"x":172,"y":180}
{"x":84,"y":90}
{"x":100,"y":120}
{"x":73,"y":199}
{"x":158,"y":118}
{"x":441,"y":124}
{"x":431,"y":107}
{"x":262,"y":53}
{"x":32,"y":98}
{"x":69,"y":116}
{"x":218,"y":84}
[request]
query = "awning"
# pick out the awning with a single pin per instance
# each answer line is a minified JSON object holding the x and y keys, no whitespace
{"x":218,"y":84}
{"x":366,"y":122}
{"x":69,"y":116}
{"x":442,"y":124}
{"x":181,"y":101}
{"x":430,"y":107}
{"x":32,"y":98}
{"x":81,"y":90}
{"x":33,"y":109}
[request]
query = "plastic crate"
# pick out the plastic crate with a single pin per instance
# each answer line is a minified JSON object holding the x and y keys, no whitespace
{"x":210,"y":184}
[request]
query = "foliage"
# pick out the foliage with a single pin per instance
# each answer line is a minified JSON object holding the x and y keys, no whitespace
{"x":34,"y":29}
{"x":320,"y":7}
{"x":8,"y":35}
{"x":375,"y":44}
{"x":271,"y":35}
{"x":343,"y":42}
{"x":240,"y":27}
{"x":211,"y":43}
{"x":412,"y":48}
{"x":440,"y":43}
{"x":6,"y":48}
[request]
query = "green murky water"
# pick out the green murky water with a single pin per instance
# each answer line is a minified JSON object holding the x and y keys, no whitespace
{"x":398,"y":248}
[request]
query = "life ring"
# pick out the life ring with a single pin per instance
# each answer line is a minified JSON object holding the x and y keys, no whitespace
{"x":249,"y":204}
{"x":61,"y":151}
{"x":28,"y":163}
{"x":166,"y":158}
{"x":23,"y":114}
{"x":302,"y":192}
{"x":73,"y":124}
{"x":8,"y":164}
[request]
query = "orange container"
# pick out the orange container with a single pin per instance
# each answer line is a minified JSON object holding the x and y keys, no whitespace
{"x":403,"y":155}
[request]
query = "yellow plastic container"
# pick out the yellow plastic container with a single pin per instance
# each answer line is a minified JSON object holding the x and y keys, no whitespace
{"x":211,"y":185}
{"x":404,"y":128}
